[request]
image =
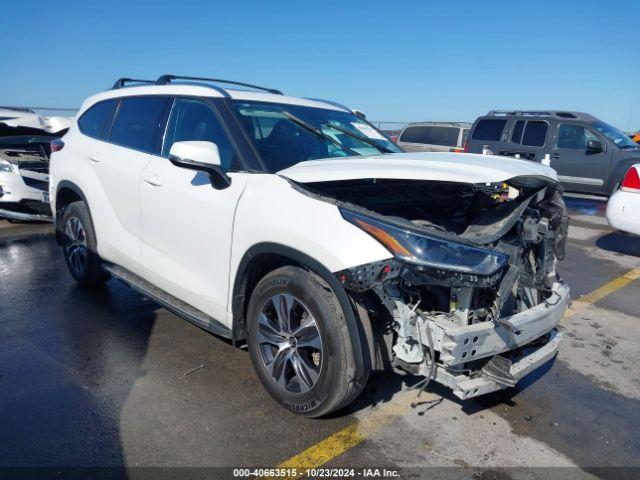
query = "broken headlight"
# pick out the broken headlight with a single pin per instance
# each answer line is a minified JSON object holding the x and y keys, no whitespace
{"x":419,"y":248}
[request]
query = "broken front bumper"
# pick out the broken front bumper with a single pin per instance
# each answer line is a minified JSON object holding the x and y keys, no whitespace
{"x":458,"y":345}
{"x":31,"y":212}
{"x":19,"y":201}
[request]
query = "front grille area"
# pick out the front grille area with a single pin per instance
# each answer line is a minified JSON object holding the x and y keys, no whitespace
{"x":38,"y":167}
{"x":33,"y":183}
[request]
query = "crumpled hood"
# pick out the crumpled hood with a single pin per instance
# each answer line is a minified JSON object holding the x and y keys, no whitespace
{"x":439,"y":166}
{"x":53,"y":124}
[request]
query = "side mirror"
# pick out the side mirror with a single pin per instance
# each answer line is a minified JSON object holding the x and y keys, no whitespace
{"x":201,"y":157}
{"x":595,"y":146}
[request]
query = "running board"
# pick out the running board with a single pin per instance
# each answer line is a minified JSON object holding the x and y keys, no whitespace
{"x":168,"y":301}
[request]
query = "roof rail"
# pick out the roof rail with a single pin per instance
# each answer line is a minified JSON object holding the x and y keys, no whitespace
{"x":538,"y":113}
{"x":518,"y":112}
{"x":122,"y":82}
{"x":330,"y":102}
{"x":432,"y":122}
{"x":166,"y":79}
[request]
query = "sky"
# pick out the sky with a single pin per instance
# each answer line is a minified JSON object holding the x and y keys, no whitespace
{"x":396,"y":61}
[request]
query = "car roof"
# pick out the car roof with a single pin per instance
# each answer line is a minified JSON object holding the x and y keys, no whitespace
{"x":550,"y":113}
{"x":446,"y":124}
{"x":204,"y":90}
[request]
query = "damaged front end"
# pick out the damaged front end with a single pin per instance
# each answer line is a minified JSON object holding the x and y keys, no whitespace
{"x":25,"y":147}
{"x":471,"y":298}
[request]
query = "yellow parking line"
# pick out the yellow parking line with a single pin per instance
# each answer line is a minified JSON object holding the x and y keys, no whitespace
{"x":323,"y":451}
{"x":600,"y":293}
{"x":355,"y":433}
{"x":358,"y":431}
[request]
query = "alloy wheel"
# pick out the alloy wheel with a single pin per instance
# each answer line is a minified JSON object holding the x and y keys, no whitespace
{"x":290,"y":344}
{"x":76,"y":246}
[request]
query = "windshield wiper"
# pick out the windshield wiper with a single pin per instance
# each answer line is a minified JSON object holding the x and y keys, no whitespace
{"x":368,"y":141}
{"x":318,"y":133}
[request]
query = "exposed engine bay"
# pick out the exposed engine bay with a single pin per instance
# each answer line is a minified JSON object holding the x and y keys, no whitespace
{"x":471,"y":298}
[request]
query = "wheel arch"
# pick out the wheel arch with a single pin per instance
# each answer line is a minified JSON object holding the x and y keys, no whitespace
{"x":265,"y":257}
{"x":618,"y":172}
{"x":66,"y":193}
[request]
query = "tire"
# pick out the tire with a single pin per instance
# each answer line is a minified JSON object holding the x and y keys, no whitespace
{"x":615,"y":188}
{"x":79,"y":246}
{"x":312,"y":370}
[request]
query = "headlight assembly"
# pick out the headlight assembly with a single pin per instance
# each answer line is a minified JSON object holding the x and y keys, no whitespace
{"x":430,"y":251}
{"x":5,"y":166}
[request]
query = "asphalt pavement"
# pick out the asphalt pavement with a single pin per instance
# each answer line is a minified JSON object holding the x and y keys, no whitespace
{"x":107,"y":378}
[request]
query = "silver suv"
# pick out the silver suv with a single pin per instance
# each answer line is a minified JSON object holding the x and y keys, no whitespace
{"x":434,"y":136}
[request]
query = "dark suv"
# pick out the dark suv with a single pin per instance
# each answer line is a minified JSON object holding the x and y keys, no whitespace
{"x":589,"y":155}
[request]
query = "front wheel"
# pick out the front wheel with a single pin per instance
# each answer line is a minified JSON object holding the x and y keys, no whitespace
{"x":300,"y":344}
{"x":79,"y":246}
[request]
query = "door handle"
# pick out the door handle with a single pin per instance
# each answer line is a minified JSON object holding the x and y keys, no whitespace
{"x":555,"y":155}
{"x":153,"y":180}
{"x":94,"y":157}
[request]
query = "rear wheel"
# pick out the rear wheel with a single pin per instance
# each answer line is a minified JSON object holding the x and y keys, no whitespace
{"x":300,"y":345}
{"x":79,"y":246}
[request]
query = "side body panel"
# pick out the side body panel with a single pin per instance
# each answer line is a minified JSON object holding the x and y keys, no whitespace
{"x":581,"y":170}
{"x":119,"y":170}
{"x":116,"y":221}
{"x":187,"y":228}
{"x":271,"y":210}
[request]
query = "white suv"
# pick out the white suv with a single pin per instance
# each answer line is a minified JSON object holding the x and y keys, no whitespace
{"x":295,"y":226}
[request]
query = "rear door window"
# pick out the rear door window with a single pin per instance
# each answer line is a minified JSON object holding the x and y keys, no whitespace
{"x":92,"y":122}
{"x":137,"y":122}
{"x":535,"y":133}
{"x":416,"y":134}
{"x":489,"y":129}
{"x":445,"y":136}
{"x":516,"y":136}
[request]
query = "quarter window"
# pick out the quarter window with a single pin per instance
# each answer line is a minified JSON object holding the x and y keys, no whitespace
{"x":92,"y":122}
{"x":535,"y":133}
{"x":431,"y":135}
{"x":573,"y":137}
{"x":489,"y":129}
{"x":195,"y":120}
{"x":445,"y":136}
{"x":415,"y":135}
{"x":137,"y":122}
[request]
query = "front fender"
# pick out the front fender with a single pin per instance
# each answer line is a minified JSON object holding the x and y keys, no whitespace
{"x":271,"y":211}
{"x":618,"y":172}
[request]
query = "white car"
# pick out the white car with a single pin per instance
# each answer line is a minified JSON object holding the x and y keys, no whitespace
{"x":25,"y":142}
{"x":297,"y":227}
{"x":623,"y":208}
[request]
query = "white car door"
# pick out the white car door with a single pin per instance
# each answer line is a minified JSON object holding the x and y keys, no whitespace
{"x":186,"y":222}
{"x":118,"y":165}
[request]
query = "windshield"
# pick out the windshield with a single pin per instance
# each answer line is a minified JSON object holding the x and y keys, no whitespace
{"x":615,"y":135}
{"x":286,"y":134}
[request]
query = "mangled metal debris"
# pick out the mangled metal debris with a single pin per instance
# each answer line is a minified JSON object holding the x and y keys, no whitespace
{"x":472,"y":297}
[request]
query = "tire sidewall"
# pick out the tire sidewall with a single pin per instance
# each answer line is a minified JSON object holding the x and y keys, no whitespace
{"x":81,"y":212}
{"x":300,"y":284}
